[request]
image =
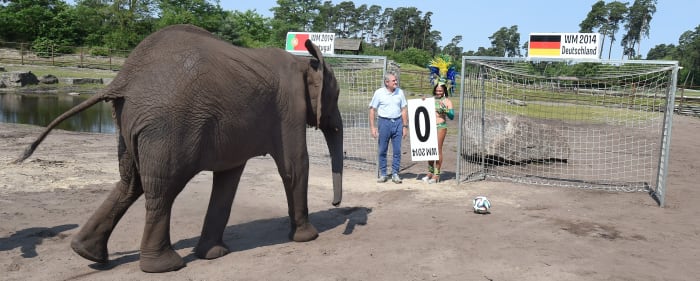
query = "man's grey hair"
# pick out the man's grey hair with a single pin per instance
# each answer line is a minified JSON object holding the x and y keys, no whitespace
{"x":388,"y":76}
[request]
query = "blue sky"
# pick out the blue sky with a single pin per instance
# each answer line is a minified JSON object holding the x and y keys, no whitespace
{"x":477,"y":20}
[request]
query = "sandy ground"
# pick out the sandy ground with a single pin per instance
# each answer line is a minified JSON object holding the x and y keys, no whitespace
{"x":411,"y":231}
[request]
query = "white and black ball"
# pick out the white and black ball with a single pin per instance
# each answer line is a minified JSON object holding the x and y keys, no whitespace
{"x":481,"y":205}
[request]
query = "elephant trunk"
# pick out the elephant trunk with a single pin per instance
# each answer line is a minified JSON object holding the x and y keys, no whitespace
{"x":334,"y":139}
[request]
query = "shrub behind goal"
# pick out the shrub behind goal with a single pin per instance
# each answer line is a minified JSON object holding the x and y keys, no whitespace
{"x":587,"y":124}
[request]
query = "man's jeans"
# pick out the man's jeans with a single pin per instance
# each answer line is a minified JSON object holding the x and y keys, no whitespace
{"x":390,"y":130}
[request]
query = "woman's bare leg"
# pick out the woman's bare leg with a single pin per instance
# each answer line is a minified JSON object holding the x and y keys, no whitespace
{"x":442,"y":133}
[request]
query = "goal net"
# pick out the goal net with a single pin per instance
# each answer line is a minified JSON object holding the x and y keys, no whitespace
{"x":358,"y":78}
{"x":587,"y":124}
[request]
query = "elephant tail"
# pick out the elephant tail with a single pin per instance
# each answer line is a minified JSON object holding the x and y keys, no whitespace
{"x":78,"y":108}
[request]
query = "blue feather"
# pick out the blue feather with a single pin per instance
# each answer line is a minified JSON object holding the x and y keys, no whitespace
{"x":451,"y":73}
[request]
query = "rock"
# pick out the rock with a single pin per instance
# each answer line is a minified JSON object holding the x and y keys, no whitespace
{"x":516,"y":102}
{"x":515,"y":140}
{"x":48,"y":79}
{"x":80,"y":81}
{"x":18,"y":79}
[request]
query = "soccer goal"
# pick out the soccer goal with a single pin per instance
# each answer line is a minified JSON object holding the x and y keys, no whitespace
{"x":572,"y":123}
{"x":358,"y":78}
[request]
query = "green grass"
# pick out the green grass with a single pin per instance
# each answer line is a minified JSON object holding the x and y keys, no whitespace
{"x":571,"y":112}
{"x":688,"y":93}
{"x":62,"y":72}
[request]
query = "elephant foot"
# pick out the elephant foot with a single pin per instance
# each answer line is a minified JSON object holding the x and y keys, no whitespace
{"x":304,"y":233}
{"x":89,"y":249}
{"x":211,"y":251}
{"x":164,"y":261}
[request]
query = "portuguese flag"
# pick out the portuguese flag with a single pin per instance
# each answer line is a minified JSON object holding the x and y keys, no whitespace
{"x":295,"y":41}
{"x":545,"y":46}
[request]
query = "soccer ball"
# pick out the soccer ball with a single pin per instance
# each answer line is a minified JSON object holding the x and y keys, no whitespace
{"x":481,"y":205}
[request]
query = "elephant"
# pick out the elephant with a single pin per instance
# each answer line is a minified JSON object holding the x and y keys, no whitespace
{"x":185,"y":102}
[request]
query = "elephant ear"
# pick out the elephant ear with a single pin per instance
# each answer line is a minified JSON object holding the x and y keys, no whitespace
{"x":314,"y":80}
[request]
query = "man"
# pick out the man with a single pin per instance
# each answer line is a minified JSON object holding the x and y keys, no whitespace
{"x":389,"y":105}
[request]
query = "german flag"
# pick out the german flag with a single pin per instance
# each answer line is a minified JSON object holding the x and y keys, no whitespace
{"x":545,"y":45}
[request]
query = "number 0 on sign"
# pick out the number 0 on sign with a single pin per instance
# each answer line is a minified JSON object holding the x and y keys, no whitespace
{"x":422,"y":129}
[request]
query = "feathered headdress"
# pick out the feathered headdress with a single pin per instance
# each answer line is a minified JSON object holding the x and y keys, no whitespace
{"x":442,"y":72}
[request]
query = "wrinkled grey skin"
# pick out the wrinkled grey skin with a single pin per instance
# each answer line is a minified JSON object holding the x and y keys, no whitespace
{"x":187,"y":102}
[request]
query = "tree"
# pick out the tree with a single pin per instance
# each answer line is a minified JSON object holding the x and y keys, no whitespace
{"x":196,"y":12}
{"x":526,"y":47}
{"x":385,"y":26}
{"x":605,"y":18}
{"x":127,"y":22}
{"x":506,"y":42}
{"x":689,"y":56}
{"x":637,"y":26}
{"x":452,"y":49}
{"x":616,"y":13}
{"x":26,"y":20}
{"x":248,"y":29}
{"x":595,"y":18}
{"x":687,"y":53}
{"x":427,"y":25}
{"x":91,"y":19}
{"x":325,"y":19}
{"x":292,"y":15}
{"x":662,"y":52}
{"x":374,"y":17}
{"x":406,"y":28}
{"x":345,"y":18}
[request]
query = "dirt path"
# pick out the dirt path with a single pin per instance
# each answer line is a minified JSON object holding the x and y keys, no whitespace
{"x":411,"y":231}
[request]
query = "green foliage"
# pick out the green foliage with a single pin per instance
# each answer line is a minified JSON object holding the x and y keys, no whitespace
{"x":506,"y":42}
{"x":248,"y":29}
{"x":99,"y":51}
{"x":412,"y":56}
{"x":24,"y":21}
{"x":637,"y":26}
{"x":46,"y":48}
{"x":196,"y":12}
{"x":662,"y":52}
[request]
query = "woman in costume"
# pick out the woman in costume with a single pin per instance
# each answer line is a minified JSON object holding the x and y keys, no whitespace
{"x":442,"y":77}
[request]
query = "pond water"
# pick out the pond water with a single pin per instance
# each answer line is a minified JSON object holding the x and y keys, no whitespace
{"x":42,"y":108}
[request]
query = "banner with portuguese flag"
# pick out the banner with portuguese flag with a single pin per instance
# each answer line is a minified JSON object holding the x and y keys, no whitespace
{"x":324,"y":41}
{"x":295,"y":41}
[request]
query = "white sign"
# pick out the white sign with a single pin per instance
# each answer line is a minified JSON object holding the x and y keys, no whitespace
{"x":423,"y":129}
{"x":324,"y":41}
{"x":565,"y":45}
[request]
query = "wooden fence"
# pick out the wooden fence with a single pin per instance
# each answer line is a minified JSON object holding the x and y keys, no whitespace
{"x":65,"y":56}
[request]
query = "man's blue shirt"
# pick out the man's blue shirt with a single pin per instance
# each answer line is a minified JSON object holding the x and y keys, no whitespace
{"x":388,"y":105}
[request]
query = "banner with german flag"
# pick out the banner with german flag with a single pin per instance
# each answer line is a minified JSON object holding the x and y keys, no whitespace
{"x":565,"y":45}
{"x":544,"y":45}
{"x":324,"y":41}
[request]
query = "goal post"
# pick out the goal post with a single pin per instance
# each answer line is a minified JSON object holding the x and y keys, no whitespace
{"x":567,"y":122}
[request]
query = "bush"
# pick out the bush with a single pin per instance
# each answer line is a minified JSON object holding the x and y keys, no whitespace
{"x":99,"y":51}
{"x":413,"y":56}
{"x":45,"y":48}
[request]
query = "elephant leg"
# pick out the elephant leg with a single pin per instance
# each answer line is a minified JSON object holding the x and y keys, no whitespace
{"x":91,"y":240}
{"x":211,"y":244}
{"x":295,"y":176}
{"x":157,"y":253}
